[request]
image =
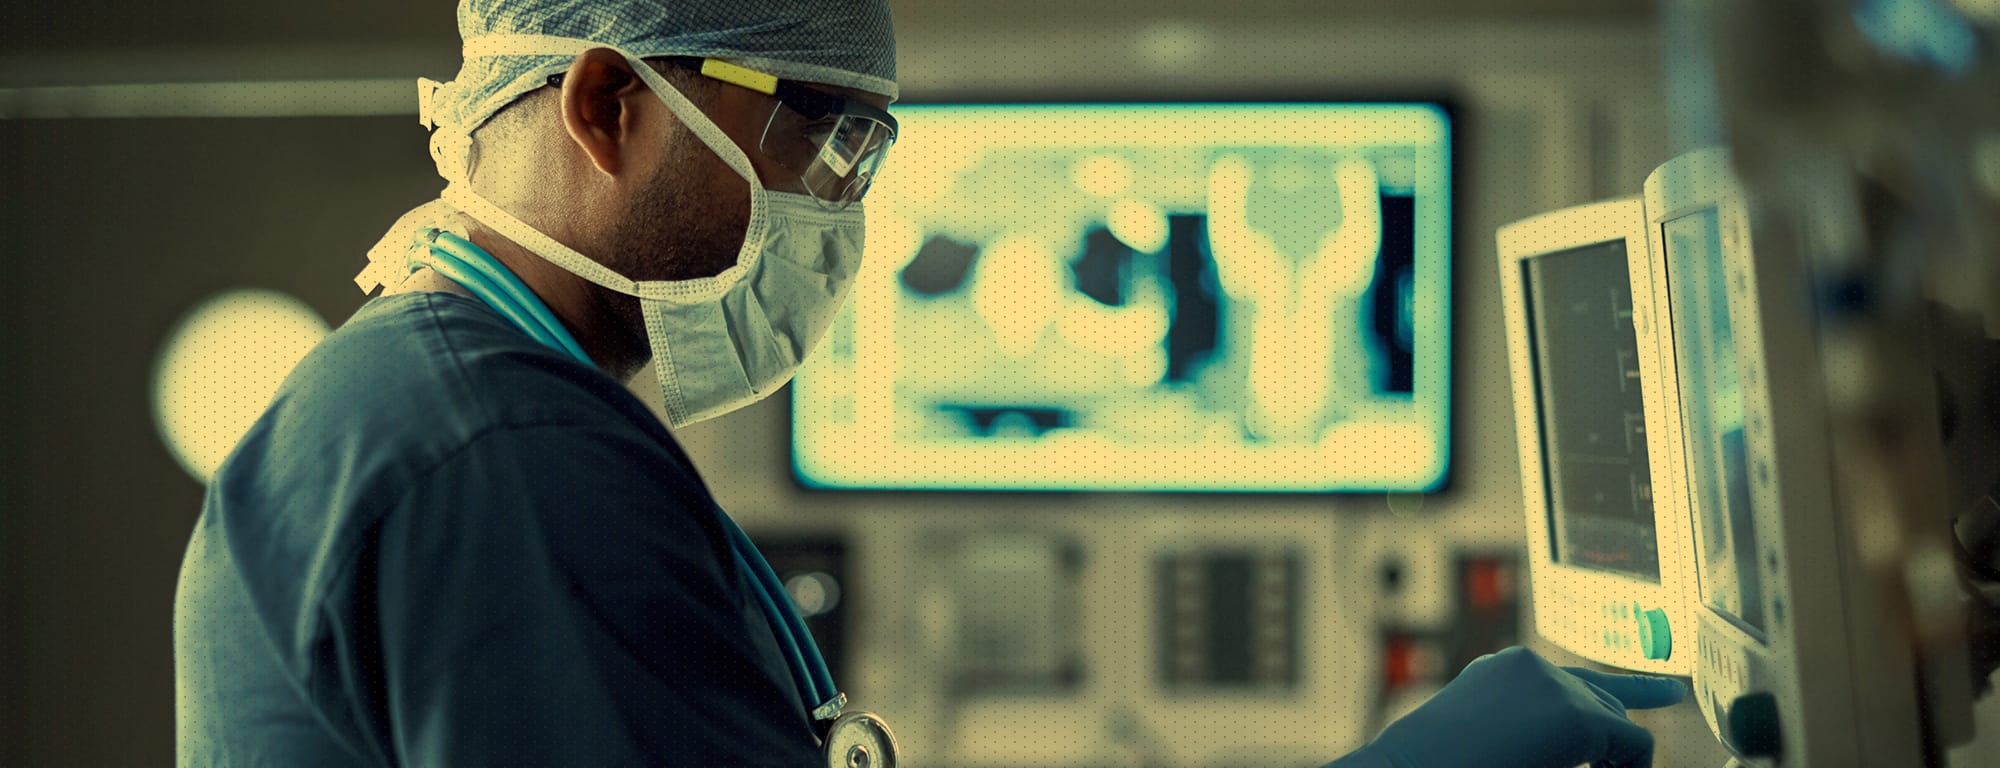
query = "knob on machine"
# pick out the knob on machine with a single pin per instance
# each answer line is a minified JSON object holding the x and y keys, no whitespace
{"x":1753,"y":725}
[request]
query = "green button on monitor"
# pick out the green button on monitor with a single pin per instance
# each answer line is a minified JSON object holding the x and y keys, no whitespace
{"x":1656,"y":639}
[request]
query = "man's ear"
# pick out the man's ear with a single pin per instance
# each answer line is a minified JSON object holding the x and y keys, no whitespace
{"x":593,"y":106}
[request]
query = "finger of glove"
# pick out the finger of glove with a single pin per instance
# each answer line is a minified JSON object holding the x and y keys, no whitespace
{"x":1635,"y":691}
{"x":1610,"y":702}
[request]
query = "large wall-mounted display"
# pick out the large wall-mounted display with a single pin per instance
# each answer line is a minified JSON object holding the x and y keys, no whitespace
{"x":1183,"y":297}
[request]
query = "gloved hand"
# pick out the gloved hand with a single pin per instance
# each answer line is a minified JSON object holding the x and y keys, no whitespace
{"x":1514,"y":710}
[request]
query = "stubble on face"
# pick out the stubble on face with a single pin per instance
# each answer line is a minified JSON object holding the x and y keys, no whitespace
{"x":687,"y":222}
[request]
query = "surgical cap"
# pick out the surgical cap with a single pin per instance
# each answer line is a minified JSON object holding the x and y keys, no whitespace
{"x":845,"y":43}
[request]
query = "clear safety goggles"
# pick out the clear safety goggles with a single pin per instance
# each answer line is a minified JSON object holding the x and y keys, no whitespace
{"x":833,"y":145}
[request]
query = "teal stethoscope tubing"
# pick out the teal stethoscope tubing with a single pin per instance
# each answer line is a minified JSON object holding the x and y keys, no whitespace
{"x":476,"y":270}
{"x":808,"y":667}
{"x":472,"y":267}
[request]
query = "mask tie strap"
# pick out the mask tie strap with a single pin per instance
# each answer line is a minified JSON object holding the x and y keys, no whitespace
{"x":693,"y":119}
{"x":426,"y":97}
{"x":540,"y":244}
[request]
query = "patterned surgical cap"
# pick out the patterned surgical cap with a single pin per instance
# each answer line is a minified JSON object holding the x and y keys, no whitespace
{"x":837,"y":42}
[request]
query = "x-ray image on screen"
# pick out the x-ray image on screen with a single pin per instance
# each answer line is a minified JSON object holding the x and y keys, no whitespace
{"x":1157,"y":297}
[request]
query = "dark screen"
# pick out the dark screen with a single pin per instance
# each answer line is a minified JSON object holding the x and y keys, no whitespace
{"x":1593,"y":418}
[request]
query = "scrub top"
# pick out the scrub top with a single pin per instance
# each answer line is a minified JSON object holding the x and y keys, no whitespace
{"x":446,"y":544}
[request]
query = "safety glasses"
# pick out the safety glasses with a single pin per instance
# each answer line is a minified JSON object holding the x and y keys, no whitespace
{"x":832,"y":144}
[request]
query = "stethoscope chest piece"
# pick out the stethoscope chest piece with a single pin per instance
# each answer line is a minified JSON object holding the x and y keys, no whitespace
{"x":860,"y":740}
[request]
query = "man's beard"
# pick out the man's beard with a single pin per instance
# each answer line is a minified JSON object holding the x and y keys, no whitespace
{"x":674,"y":231}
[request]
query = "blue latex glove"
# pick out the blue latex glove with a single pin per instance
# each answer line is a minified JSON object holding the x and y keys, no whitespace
{"x":1514,"y":710}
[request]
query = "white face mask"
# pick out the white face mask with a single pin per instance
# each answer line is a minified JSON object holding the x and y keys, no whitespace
{"x":719,"y":343}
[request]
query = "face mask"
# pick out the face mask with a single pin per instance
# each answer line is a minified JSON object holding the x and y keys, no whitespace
{"x":719,"y":343}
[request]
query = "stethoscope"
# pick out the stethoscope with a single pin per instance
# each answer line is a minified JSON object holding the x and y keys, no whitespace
{"x":853,"y":739}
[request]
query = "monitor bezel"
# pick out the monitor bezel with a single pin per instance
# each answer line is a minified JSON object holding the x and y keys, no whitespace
{"x":1583,"y":609}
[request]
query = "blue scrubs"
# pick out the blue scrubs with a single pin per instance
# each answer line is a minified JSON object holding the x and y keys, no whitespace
{"x":448,"y":544}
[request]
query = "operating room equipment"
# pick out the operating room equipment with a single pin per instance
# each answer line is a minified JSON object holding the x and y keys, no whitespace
{"x":1610,"y":566}
{"x":1792,"y":664}
{"x":1004,"y":608}
{"x":1230,"y":618}
{"x":1859,"y":143}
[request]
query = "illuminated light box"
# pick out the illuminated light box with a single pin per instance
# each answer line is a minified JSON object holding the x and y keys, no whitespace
{"x":1162,"y":297}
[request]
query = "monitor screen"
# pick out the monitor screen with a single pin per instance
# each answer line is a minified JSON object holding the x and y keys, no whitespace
{"x":1198,"y":297}
{"x":1712,"y":419}
{"x":1593,"y":417}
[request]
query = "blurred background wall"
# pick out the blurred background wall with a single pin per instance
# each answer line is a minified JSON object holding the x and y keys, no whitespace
{"x":115,"y":228}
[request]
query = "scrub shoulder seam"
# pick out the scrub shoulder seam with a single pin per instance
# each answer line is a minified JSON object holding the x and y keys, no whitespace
{"x":456,"y":366}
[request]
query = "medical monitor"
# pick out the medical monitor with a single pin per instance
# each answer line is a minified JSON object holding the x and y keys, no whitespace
{"x":1791,"y":668}
{"x":1608,"y":568}
{"x":1145,"y":297}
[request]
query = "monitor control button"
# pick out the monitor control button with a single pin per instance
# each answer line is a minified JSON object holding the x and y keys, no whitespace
{"x":1656,"y":638}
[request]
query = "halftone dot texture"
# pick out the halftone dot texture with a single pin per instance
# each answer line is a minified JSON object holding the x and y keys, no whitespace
{"x":848,"y":44}
{"x":529,"y":559}
{"x":221,"y":367}
{"x":1025,"y":171}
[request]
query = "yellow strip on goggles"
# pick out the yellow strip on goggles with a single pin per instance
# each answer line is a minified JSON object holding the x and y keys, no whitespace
{"x":834,"y":145}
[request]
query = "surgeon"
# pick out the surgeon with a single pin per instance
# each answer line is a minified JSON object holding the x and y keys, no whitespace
{"x":456,"y":538}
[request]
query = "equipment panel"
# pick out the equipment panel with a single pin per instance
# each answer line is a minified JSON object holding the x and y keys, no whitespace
{"x":1609,"y":566}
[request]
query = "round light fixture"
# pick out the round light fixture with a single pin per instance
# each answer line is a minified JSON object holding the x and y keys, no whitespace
{"x":220,"y":368}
